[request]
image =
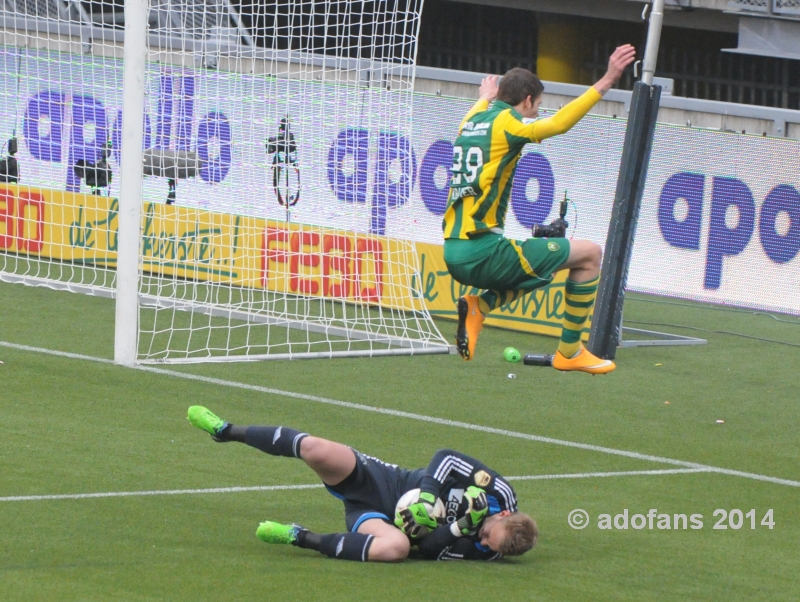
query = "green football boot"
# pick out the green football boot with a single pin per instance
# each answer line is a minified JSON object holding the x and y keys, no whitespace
{"x":205,"y":419}
{"x":271,"y":532}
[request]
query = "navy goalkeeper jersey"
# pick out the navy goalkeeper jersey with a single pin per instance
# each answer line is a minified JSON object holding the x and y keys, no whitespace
{"x":374,"y":487}
{"x":447,"y":477}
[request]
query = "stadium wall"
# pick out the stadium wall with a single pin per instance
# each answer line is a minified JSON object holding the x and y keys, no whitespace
{"x":720,"y":219}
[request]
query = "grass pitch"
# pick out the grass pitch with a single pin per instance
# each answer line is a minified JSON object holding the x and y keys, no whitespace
{"x":73,"y":426}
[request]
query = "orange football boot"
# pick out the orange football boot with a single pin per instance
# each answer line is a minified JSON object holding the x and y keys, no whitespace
{"x":470,"y":324}
{"x":583,"y":361}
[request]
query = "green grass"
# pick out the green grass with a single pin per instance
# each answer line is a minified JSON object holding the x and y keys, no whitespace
{"x":74,"y":426}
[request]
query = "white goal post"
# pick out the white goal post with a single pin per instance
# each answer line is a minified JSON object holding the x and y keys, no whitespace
{"x":238,"y":173}
{"x":134,"y":65}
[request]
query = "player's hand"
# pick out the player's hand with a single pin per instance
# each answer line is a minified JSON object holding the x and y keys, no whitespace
{"x":617,"y":62}
{"x":477,"y":509}
{"x":619,"y":59}
{"x":417,"y":515}
{"x":489,"y":87}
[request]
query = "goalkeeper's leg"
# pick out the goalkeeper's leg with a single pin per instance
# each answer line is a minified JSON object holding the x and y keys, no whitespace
{"x":333,"y":462}
{"x":375,"y":541}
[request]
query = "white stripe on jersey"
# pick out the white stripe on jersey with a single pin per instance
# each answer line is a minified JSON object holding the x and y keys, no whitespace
{"x":446,"y":555}
{"x":507,"y":493}
{"x":452,"y":463}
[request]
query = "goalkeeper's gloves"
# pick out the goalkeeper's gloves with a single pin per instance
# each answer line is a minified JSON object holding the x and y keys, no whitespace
{"x":417,"y":515}
{"x":477,"y":509}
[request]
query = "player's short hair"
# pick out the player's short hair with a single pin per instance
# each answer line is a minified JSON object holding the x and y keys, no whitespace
{"x":517,"y":84}
{"x":521,"y":534}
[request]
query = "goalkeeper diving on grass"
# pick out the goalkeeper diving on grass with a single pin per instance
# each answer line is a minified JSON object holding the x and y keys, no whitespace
{"x":478,"y":518}
{"x":485,"y":156}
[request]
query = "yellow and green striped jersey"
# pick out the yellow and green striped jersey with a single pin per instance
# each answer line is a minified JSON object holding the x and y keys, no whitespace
{"x":485,"y":156}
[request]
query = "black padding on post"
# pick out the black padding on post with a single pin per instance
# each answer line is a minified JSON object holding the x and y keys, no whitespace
{"x":607,"y":319}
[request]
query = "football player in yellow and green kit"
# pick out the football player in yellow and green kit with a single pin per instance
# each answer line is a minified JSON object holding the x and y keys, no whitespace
{"x":485,"y":155}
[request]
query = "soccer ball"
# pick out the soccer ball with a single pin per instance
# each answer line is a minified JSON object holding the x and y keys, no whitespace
{"x":436,"y":512}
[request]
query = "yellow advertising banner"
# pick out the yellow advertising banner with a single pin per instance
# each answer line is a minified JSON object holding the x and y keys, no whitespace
{"x":539,"y":312}
{"x":254,"y":253}
{"x":202,"y":245}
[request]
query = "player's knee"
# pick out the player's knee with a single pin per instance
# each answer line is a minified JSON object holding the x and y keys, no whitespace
{"x":589,"y":256}
{"x":312,"y":449}
{"x":594,"y":255}
{"x":393,"y":548}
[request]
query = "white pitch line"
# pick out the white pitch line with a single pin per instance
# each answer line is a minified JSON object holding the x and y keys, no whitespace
{"x":423,"y":418}
{"x":625,"y":473}
{"x":83,"y":496}
{"x":73,"y":356}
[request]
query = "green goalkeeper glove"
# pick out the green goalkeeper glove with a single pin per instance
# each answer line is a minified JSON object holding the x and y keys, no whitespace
{"x":417,"y":515}
{"x":476,"y":512}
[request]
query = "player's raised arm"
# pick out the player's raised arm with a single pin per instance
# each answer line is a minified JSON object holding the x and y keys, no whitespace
{"x":486,"y":94}
{"x":619,"y":59}
{"x":573,"y":112}
{"x":488,"y":89}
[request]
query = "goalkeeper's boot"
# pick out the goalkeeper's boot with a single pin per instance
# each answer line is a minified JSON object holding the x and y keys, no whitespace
{"x":205,"y":419}
{"x":470,"y":324}
{"x":583,"y":361}
{"x":271,"y":532}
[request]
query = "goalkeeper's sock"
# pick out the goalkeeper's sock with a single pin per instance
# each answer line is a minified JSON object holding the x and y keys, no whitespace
{"x":345,"y":546}
{"x":579,"y":298}
{"x":233,"y":432}
{"x":274,"y":440}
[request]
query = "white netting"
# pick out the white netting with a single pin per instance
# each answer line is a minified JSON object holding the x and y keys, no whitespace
{"x":278,"y":169}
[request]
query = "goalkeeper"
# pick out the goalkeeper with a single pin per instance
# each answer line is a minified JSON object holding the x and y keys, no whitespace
{"x":485,"y":155}
{"x":482,"y":522}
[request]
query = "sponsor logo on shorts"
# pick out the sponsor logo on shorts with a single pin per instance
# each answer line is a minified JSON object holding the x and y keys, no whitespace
{"x":483,"y":478}
{"x":553,"y":246}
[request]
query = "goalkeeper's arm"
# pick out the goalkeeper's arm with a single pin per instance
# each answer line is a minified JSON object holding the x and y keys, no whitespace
{"x":454,"y":541}
{"x":441,"y":544}
{"x":467,"y":471}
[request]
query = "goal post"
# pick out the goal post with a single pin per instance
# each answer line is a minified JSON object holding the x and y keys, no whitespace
{"x":237,"y":174}
{"x":126,"y":318}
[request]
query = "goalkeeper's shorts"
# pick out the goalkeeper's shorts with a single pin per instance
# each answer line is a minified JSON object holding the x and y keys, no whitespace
{"x":491,"y":261}
{"x":372,"y":490}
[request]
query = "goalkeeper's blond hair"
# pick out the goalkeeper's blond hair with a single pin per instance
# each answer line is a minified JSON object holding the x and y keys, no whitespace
{"x":521,"y":534}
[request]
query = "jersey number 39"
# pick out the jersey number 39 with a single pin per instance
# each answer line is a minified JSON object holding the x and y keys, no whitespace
{"x":473,"y":161}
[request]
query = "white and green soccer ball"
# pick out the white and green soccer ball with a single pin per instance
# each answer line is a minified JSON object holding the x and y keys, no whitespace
{"x":436,"y":512}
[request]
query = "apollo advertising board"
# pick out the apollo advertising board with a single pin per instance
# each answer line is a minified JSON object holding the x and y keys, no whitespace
{"x":720,"y":218}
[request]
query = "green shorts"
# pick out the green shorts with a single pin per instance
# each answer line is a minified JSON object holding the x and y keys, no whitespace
{"x":491,"y":261}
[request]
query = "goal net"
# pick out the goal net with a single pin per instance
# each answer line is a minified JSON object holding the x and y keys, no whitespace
{"x":270,"y":160}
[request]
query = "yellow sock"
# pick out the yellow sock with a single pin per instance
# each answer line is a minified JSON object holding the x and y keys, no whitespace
{"x":579,"y":299}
